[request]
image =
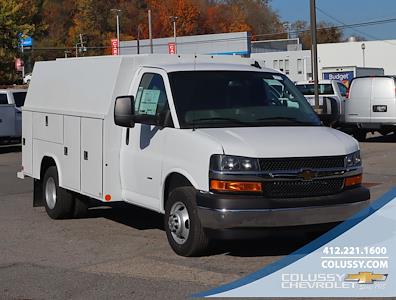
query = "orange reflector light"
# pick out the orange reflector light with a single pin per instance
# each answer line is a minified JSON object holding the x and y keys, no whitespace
{"x":235,"y":186}
{"x":108,"y":197}
{"x":355,"y":180}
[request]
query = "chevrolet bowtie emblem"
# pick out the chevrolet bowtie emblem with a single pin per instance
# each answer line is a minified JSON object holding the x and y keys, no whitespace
{"x":366,"y":277}
{"x":307,"y":175}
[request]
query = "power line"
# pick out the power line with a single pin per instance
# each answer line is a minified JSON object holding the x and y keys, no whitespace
{"x":356,"y":30}
{"x":344,"y":26}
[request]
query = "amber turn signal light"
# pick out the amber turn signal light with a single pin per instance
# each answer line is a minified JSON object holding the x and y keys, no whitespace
{"x":235,"y":186}
{"x":351,"y":181}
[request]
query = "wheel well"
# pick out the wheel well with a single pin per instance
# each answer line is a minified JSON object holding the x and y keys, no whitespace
{"x":174,"y":180}
{"x":45,"y":164}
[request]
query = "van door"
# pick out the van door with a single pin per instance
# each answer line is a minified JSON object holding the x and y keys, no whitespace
{"x":358,"y":106}
{"x":383,"y":100}
{"x":142,"y":150}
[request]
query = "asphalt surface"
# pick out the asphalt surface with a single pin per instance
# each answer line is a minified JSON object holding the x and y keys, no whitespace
{"x":122,"y":252}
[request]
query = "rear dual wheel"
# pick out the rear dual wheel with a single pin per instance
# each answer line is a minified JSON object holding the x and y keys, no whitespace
{"x":60,"y":203}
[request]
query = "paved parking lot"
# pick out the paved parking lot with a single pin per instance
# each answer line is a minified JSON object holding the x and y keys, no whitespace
{"x":123,"y":252}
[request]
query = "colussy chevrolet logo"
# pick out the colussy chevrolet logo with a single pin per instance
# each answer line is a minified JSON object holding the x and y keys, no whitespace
{"x":366,"y":277}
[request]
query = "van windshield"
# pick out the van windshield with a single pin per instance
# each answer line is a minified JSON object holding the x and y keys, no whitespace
{"x":309,"y":89}
{"x":238,"y":99}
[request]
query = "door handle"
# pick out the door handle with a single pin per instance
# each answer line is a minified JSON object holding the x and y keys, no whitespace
{"x":65,"y":151}
{"x":127,"y":137}
{"x":46,"y":120}
{"x":85,"y":155}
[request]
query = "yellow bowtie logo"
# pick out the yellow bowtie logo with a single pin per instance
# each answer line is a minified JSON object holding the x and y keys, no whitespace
{"x":366,"y":277}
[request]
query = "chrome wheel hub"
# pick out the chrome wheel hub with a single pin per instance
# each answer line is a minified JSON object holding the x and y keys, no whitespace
{"x":179,"y":223}
{"x":50,"y":193}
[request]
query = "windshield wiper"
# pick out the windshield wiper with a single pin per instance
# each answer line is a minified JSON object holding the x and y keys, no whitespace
{"x":236,"y":121}
{"x":290,"y":119}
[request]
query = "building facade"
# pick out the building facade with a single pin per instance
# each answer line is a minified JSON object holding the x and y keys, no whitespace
{"x":368,"y":54}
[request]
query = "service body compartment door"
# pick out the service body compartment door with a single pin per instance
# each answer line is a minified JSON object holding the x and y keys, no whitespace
{"x":92,"y":156}
{"x":27,"y":142}
{"x":71,"y":153}
{"x":48,"y":127}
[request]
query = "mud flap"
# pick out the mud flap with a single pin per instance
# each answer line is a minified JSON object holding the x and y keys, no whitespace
{"x":37,"y":193}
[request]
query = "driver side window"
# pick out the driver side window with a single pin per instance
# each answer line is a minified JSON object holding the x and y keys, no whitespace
{"x":151,"y":95}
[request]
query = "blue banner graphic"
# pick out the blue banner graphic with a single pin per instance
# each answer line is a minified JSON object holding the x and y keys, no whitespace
{"x":354,"y":259}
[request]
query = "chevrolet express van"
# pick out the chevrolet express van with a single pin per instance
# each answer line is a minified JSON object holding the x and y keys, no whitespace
{"x":371,"y":105}
{"x":211,"y":142}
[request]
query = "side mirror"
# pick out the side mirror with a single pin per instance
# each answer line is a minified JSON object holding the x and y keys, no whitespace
{"x":124,"y":110}
{"x":330,"y":113}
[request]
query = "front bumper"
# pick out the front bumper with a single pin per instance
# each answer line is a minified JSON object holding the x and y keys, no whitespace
{"x":221,"y":211}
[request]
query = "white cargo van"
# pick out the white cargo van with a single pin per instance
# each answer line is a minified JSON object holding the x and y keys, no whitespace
{"x":210,"y":142}
{"x":371,"y":105}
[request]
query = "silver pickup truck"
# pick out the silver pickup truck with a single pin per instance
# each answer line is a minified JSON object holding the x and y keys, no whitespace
{"x":11,"y":101}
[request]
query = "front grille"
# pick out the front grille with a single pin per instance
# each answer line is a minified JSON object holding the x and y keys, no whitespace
{"x":299,"y":163}
{"x":298,"y":188}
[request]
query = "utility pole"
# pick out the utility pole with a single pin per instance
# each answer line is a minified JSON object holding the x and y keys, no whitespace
{"x":80,"y":45}
{"x":173,"y":20}
{"x":314,"y":54}
{"x":117,"y":11}
{"x":23,"y":62}
{"x":150,"y":31}
{"x":138,"y":40}
{"x":286,"y":26}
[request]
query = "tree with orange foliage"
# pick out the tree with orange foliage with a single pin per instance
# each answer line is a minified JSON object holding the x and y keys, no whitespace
{"x":187,"y":12}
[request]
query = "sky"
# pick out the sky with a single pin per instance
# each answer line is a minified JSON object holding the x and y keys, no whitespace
{"x":346,"y":11}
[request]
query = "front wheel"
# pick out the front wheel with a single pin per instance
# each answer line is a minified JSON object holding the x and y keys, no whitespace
{"x":182,"y":225}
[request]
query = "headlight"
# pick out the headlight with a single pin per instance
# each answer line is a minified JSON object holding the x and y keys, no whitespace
{"x":353,"y":160}
{"x":231,"y":163}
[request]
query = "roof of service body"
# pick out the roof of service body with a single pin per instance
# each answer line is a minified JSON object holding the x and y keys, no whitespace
{"x":88,"y":86}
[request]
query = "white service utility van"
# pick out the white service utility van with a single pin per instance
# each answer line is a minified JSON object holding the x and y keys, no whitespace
{"x":371,"y":105}
{"x":210,"y":142}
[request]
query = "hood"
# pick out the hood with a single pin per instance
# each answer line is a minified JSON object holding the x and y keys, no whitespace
{"x":282,"y":141}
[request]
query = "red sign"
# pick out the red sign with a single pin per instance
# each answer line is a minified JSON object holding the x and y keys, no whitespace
{"x":172,"y":48}
{"x":114,"y":47}
{"x":18,"y":64}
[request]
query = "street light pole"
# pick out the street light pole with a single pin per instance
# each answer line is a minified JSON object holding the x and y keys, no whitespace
{"x":174,"y":19}
{"x":150,"y":31}
{"x":138,"y":40}
{"x":364,"y":54}
{"x":314,"y":53}
{"x":117,"y":11}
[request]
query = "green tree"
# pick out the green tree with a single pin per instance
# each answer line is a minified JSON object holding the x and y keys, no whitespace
{"x":17,"y":17}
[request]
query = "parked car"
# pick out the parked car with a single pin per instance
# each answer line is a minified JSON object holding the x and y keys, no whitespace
{"x":371,"y":105}
{"x":11,"y":101}
{"x":220,"y":146}
{"x":327,"y":88}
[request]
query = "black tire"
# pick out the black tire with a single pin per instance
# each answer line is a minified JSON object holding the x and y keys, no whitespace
{"x":197,"y":241}
{"x":81,"y":205}
{"x":62,"y":208}
{"x":360,"y":135}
